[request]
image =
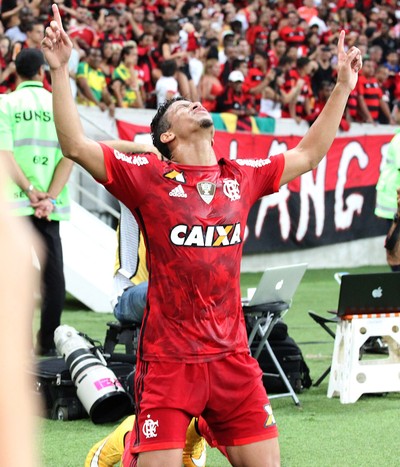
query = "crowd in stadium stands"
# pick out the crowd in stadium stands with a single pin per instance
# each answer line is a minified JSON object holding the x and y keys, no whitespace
{"x":250,"y":58}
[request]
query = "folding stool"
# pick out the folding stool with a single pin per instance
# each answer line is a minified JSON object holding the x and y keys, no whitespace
{"x":263,"y":318}
{"x":352,"y":376}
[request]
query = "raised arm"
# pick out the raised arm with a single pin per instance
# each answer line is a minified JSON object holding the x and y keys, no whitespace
{"x":56,"y":47}
{"x":317,"y":141}
{"x":133,"y":147}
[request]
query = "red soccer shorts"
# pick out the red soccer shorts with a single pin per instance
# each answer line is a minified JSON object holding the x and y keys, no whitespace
{"x":228,"y":393}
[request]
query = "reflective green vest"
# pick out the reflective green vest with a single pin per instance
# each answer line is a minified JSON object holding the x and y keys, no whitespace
{"x":389,"y":181}
{"x":27,"y":129}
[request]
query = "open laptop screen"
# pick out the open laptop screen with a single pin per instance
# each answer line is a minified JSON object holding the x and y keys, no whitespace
{"x":278,"y":284}
{"x":369,"y":293}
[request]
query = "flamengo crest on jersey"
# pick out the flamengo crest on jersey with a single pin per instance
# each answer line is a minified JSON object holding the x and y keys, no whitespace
{"x":178,"y":192}
{"x":206,"y":191}
{"x":231,"y":189}
{"x":210,"y":236}
{"x":131,"y":159}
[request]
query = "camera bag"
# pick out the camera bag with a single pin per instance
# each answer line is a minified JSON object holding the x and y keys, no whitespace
{"x":289,"y":357}
{"x":57,"y":392}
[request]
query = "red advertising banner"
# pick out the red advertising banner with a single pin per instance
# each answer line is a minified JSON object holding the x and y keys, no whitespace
{"x":332,"y":204}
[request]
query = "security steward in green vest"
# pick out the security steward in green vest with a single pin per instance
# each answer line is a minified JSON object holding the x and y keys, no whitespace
{"x":387,"y":198}
{"x":28,"y":143}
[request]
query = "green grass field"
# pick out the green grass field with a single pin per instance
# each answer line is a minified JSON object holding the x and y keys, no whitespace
{"x":322,"y":432}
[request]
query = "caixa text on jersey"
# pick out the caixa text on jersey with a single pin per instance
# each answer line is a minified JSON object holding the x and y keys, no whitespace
{"x":209,"y":236}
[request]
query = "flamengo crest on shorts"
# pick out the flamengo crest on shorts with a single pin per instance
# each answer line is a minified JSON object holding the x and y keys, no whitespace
{"x":150,"y":428}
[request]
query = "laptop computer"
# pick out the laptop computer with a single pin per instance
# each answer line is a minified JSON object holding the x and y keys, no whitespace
{"x":369,"y":293}
{"x":277,"y":284}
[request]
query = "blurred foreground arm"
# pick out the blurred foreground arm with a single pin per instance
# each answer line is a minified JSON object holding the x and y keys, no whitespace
{"x":17,"y":405}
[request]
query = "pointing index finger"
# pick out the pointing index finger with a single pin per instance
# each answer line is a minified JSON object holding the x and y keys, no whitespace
{"x":341,"y":42}
{"x":57,"y":16}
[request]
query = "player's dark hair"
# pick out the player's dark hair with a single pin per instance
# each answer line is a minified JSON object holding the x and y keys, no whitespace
{"x":160,"y":125}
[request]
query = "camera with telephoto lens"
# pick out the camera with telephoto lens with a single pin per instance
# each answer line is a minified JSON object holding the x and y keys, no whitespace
{"x":97,"y":387}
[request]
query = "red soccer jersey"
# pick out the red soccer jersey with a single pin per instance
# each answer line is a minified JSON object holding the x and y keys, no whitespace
{"x":84,"y":32}
{"x":292,"y":36}
{"x":372,"y":93}
{"x":193,"y":220}
{"x":352,"y":105}
{"x":306,"y":92}
{"x":254,"y":77}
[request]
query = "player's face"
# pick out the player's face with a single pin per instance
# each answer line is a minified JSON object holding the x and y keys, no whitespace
{"x":186,"y":117}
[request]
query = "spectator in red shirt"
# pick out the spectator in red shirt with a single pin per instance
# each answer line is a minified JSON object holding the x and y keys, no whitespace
{"x":370,"y":96}
{"x":210,"y":87}
{"x":243,"y":49}
{"x":257,"y":78}
{"x":352,"y":106}
{"x":7,"y":66}
{"x":234,"y":100}
{"x":287,"y":63}
{"x":111,"y":31}
{"x":277,"y":50}
{"x":34,"y":35}
{"x":292,"y":33}
{"x":261,"y":41}
{"x":81,"y":26}
{"x":331,"y":36}
{"x":253,"y":29}
{"x":136,"y":17}
{"x":325,"y":90}
{"x":382,"y":76}
{"x":150,"y":26}
{"x":396,"y":90}
{"x":302,"y":107}
{"x":148,"y":59}
{"x":241,"y":65}
{"x":307,"y":11}
{"x":274,"y":96}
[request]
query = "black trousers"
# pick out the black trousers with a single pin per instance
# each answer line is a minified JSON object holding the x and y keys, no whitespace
{"x":52,"y":282}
